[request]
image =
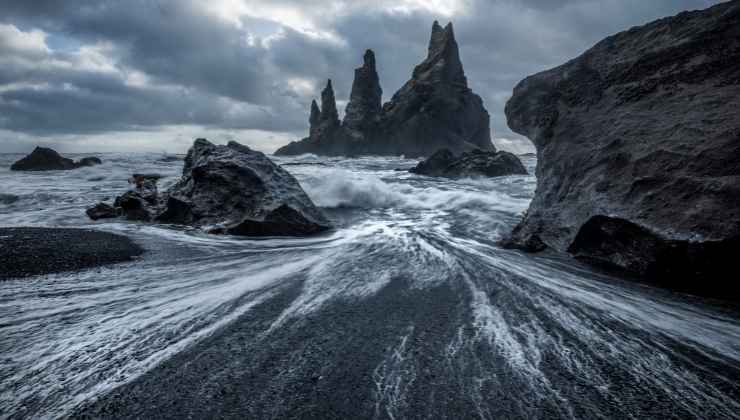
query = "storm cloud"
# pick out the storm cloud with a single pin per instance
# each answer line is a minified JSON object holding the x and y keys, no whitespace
{"x":79,"y":71}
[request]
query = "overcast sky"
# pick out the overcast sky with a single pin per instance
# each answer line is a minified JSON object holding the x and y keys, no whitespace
{"x":151,"y":75}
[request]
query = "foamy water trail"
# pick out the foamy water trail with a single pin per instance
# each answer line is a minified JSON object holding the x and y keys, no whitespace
{"x":408,"y":308}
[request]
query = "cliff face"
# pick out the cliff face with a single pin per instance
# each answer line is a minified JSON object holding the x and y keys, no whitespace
{"x":435,"y":109}
{"x":638,"y":144}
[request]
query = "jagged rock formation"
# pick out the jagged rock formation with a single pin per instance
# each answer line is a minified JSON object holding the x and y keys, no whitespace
{"x":363,"y":109}
{"x":224,"y":189}
{"x":476,"y":163}
{"x":435,"y":109}
{"x":325,"y":129}
{"x":638,"y":141}
{"x":45,"y":159}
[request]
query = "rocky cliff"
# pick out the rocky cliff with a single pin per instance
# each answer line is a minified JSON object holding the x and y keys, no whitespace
{"x":435,"y":109}
{"x":638,"y":144}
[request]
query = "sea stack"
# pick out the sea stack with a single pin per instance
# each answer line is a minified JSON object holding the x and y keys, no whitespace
{"x":434,"y":110}
{"x":638,"y":144}
{"x":363,"y":109}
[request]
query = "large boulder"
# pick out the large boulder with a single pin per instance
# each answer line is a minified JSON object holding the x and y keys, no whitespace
{"x":226,"y":189}
{"x":474,"y":164}
{"x":435,"y":109}
{"x":45,"y":159}
{"x":638,"y":144}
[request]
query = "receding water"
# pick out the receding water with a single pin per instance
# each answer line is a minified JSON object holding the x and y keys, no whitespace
{"x":521,"y":336}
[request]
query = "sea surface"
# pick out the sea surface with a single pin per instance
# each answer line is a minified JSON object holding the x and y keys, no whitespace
{"x":409,"y":308}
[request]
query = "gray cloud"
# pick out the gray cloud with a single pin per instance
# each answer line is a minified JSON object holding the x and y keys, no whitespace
{"x":90,"y":67}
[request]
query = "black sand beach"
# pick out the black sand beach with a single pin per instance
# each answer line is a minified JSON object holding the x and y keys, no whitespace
{"x":27,"y":251}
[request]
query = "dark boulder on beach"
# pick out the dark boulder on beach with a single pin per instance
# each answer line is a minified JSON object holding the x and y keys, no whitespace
{"x":226,"y":189}
{"x":434,"y":109}
{"x":474,"y":164}
{"x":234,"y":189}
{"x":45,"y":159}
{"x":639,"y":149}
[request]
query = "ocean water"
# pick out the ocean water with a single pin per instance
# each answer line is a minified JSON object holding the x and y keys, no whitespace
{"x":468,"y":330}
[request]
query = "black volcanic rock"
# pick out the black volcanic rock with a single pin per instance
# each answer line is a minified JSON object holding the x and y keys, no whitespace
{"x":314,"y":119}
{"x":89,"y":161}
{"x":329,"y":116}
{"x":325,"y":132}
{"x":226,"y":189}
{"x":476,"y":163}
{"x":435,"y":109}
{"x":45,"y":159}
{"x":639,"y":147}
{"x":363,"y":109}
{"x":102,"y":211}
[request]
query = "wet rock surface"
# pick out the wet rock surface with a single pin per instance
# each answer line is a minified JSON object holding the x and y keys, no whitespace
{"x":31,"y":251}
{"x":102,"y":211}
{"x":435,"y":109}
{"x":45,"y":159}
{"x":476,"y":163}
{"x":224,"y":189}
{"x":641,"y":129}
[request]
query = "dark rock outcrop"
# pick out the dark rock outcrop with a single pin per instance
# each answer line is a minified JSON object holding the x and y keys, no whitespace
{"x":226,"y":189}
{"x":476,"y":163}
{"x":363,"y":109}
{"x":45,"y":159}
{"x":435,"y":109}
{"x":325,"y":133}
{"x":102,"y":211}
{"x":638,"y":142}
{"x":89,"y":161}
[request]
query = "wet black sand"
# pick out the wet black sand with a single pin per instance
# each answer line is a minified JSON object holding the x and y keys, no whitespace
{"x":402,"y":353}
{"x":31,"y":251}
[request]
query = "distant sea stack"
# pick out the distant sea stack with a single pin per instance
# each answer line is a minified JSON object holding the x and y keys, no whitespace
{"x":638,"y":141}
{"x":434,"y":110}
{"x":45,"y":159}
